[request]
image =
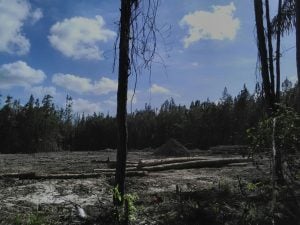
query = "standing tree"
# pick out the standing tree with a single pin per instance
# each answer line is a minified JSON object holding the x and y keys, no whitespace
{"x":298,"y":37}
{"x":124,"y":67}
{"x":286,"y":20}
{"x":137,"y":48}
{"x":266,"y":61}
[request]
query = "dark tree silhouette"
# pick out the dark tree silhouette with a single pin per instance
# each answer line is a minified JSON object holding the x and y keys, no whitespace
{"x":124,"y":67}
{"x":267,"y":72}
{"x":137,"y":49}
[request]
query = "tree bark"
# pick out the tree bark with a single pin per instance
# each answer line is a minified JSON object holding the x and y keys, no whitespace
{"x":124,"y":67}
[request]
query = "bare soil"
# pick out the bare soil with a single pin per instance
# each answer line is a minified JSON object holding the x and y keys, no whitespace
{"x":163,"y":196}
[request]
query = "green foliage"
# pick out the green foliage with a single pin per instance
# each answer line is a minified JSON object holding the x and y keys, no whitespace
{"x":42,"y":126}
{"x":253,"y":186}
{"x":127,"y":210}
{"x":116,"y":194}
{"x":17,"y":220}
{"x":131,"y":210}
{"x":287,"y":133}
{"x":34,"y":218}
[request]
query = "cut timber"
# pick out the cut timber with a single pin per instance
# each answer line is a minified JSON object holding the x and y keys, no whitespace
{"x":27,"y":175}
{"x":33,"y":176}
{"x":112,"y":164}
{"x":195,"y":164}
{"x":113,"y":170}
{"x":154,"y":162}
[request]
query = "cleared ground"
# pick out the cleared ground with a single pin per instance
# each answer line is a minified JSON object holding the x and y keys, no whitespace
{"x":56,"y":199}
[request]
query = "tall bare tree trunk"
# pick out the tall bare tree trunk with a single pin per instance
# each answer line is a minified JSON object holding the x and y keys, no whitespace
{"x":298,"y":38}
{"x":270,"y":47}
{"x":276,"y":155}
{"x":124,"y":67}
{"x":278,"y":40}
{"x":263,"y":54}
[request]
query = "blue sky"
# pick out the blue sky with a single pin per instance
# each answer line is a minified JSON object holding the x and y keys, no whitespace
{"x":66,"y":47}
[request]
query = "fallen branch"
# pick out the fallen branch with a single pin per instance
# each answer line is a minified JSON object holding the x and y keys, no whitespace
{"x":154,"y":162}
{"x":194,"y":164}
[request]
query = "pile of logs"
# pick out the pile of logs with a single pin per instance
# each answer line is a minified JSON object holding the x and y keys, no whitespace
{"x":142,"y":168}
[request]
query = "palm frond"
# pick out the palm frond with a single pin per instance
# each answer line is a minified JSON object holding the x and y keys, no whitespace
{"x":288,"y":18}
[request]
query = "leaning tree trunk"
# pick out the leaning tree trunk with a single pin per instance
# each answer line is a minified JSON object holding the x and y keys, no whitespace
{"x":124,"y":67}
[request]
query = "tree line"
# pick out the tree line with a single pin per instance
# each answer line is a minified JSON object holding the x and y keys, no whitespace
{"x":39,"y":126}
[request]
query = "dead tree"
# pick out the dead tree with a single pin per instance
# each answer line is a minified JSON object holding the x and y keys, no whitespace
{"x":124,"y":67}
{"x":137,"y":47}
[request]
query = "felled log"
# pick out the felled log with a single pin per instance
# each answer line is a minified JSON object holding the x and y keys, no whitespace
{"x":154,"y":162}
{"x":113,"y":164}
{"x":194,"y":164}
{"x":113,"y":170}
{"x":34,"y":176}
{"x":26,"y":175}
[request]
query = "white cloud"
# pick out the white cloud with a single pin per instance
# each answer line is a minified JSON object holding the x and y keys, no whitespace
{"x":79,"y":37}
{"x":41,"y":91}
{"x":13,"y":14}
{"x":72,"y":82}
{"x":156,"y":89}
{"x":19,"y":74}
{"x":104,"y":86}
{"x":36,"y":15}
{"x":83,"y":85}
{"x":219,"y":24}
{"x":84,"y":106}
{"x":195,"y":64}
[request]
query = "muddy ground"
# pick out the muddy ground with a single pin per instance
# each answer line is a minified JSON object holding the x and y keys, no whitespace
{"x":164,"y":197}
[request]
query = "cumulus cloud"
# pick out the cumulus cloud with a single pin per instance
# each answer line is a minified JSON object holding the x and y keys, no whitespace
{"x":83,"y":85}
{"x":79,"y":37}
{"x":156,"y":89}
{"x":19,"y":74}
{"x":13,"y":14}
{"x":84,"y":106}
{"x":41,"y":91}
{"x":219,"y":24}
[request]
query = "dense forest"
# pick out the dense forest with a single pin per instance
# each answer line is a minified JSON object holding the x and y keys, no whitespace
{"x":42,"y":126}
